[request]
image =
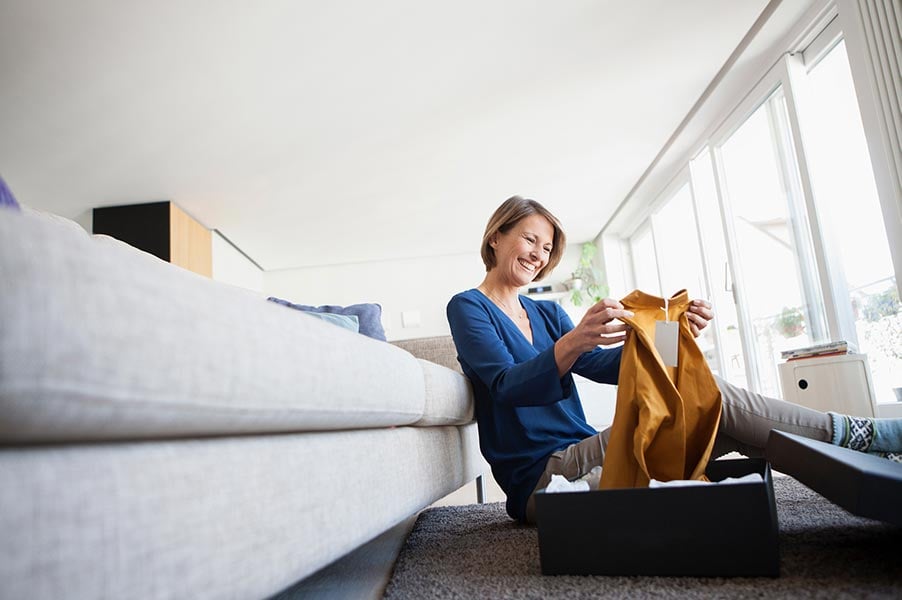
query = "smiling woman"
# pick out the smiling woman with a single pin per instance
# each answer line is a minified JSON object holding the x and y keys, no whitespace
{"x":532,"y":405}
{"x":520,"y":356}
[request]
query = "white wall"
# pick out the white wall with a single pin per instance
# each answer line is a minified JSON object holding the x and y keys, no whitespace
{"x":231,"y":266}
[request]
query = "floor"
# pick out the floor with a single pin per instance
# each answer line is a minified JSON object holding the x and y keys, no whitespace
{"x":364,"y":573}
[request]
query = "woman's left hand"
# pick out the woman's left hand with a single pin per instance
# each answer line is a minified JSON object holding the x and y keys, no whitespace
{"x":699,"y":315}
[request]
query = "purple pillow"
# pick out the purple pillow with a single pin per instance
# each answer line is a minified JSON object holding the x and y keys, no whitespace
{"x":6,"y":197}
{"x":369,"y":316}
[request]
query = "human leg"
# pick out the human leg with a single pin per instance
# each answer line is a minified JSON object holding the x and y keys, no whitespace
{"x":572,"y":462}
{"x":882,"y":437}
{"x":747,"y":419}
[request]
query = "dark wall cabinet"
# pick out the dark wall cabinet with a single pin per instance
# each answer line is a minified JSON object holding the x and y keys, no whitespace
{"x":162,"y":229}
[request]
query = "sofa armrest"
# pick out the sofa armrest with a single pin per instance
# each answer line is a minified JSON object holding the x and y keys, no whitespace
{"x":439,"y":349}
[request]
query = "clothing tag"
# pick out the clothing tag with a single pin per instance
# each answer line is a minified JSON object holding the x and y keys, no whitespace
{"x":666,"y":341}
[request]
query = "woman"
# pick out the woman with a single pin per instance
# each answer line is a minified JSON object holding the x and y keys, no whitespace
{"x":520,"y":354}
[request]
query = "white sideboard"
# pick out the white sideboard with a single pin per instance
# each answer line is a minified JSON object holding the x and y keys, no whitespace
{"x":840,"y":383}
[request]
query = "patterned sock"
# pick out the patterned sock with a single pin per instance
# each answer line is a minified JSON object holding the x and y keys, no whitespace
{"x":893,"y":456}
{"x":856,"y":433}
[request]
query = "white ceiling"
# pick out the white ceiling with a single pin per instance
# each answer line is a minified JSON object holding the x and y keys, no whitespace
{"x":317,"y":133}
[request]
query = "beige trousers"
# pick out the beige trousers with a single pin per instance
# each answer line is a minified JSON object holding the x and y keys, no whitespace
{"x":745,"y":422}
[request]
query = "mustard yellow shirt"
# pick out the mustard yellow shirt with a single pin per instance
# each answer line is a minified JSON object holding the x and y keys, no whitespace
{"x":666,"y":417}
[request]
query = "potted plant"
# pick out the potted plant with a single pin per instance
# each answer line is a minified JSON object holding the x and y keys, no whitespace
{"x":586,"y":282}
{"x":790,"y":322}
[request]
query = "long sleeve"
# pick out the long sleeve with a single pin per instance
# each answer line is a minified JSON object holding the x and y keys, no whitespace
{"x":600,"y":365}
{"x":531,"y":382}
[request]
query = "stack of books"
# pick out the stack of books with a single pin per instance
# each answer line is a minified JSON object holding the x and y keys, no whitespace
{"x":827,"y":349}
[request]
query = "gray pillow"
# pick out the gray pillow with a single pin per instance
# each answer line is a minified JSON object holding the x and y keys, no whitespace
{"x":369,"y":316}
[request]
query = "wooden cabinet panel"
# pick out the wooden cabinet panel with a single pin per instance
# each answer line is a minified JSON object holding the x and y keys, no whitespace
{"x":190,"y":243}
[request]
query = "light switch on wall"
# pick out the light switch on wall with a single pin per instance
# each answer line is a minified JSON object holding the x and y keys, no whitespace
{"x":410,"y":318}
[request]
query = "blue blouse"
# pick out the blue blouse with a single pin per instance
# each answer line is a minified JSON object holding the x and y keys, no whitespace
{"x":524,"y":410}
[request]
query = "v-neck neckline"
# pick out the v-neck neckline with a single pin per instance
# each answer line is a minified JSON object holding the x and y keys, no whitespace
{"x":532,"y":334}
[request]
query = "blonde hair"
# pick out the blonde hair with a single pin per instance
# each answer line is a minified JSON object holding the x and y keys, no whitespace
{"x":509,"y":214}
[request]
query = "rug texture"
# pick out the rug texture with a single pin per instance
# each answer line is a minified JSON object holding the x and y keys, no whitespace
{"x":476,"y":551}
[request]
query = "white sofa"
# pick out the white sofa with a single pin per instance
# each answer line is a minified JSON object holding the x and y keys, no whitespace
{"x":163,"y":435}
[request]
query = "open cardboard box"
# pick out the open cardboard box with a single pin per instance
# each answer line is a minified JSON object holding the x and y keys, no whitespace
{"x":713,"y":530}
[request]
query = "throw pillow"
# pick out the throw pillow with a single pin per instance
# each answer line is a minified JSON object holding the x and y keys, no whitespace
{"x":6,"y":197}
{"x":345,"y":321}
{"x":369,"y":315}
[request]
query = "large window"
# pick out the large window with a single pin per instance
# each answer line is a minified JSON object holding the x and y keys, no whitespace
{"x":676,"y":230}
{"x":850,"y":218}
{"x":645,"y":265}
{"x":666,"y":255}
{"x":725,"y":327}
{"x":778,"y":221}
{"x":672,"y":226}
{"x":758,"y":186}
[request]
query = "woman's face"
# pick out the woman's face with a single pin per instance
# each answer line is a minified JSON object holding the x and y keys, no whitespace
{"x":523,"y":251}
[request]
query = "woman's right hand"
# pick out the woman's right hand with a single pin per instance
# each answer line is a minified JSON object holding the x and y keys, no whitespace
{"x":597,"y":327}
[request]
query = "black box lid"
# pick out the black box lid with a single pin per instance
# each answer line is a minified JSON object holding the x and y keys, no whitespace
{"x":863,"y":484}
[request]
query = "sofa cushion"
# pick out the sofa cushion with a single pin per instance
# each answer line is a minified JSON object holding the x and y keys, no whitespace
{"x":101,"y":341}
{"x":449,"y":396}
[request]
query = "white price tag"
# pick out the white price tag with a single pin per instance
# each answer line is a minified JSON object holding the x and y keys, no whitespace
{"x":667,"y":335}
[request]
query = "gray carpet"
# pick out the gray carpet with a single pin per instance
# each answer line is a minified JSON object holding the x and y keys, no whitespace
{"x":476,"y":551}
